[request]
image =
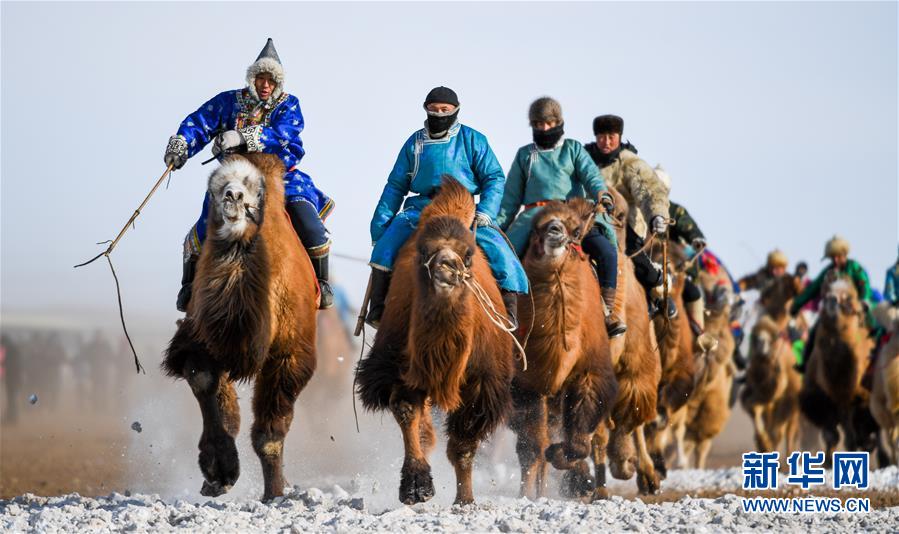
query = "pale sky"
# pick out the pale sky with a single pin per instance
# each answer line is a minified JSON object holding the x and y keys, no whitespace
{"x":777,"y":122}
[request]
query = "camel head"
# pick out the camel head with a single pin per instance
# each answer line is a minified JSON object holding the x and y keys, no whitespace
{"x":445,"y":251}
{"x":775,"y":296}
{"x":840,"y":302}
{"x":236,"y":200}
{"x":763,"y":338}
{"x":559,"y":226}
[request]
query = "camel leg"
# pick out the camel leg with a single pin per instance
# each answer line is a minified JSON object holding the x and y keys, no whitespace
{"x":689,"y":450}
{"x":530,"y":424}
{"x":792,"y":432}
{"x":277,"y":387}
{"x":656,"y":434}
{"x":408,"y":407}
{"x":702,"y":452}
{"x":585,"y":402}
{"x":600,"y":442}
{"x":218,"y":458}
{"x":486,"y":400}
{"x":622,"y":455}
{"x":680,"y":431}
{"x":426,"y":430}
{"x":647,"y":479}
{"x":762,"y":441}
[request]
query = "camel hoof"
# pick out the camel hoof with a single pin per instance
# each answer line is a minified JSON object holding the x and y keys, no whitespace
{"x":658,"y":461}
{"x":219,"y":463}
{"x":463,"y":502}
{"x":622,"y":470}
{"x":601,"y":494}
{"x":648,"y":483}
{"x":416,"y":484}
{"x":213,"y":489}
{"x":556,"y":456}
{"x":577,"y":483}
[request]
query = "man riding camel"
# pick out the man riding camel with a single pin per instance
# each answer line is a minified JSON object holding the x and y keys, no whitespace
{"x":837,"y":250}
{"x":258,"y":118}
{"x":645,"y":195}
{"x":443,"y":146}
{"x":775,"y":267}
{"x":686,"y":231}
{"x":553,"y":168}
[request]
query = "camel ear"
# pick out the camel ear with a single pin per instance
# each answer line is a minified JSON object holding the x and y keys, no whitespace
{"x":586,"y":212}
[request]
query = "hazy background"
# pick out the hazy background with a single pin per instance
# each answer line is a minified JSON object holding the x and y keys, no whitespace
{"x":777,"y":122}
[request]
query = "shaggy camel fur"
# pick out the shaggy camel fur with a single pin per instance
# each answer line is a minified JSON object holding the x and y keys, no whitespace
{"x":252,"y":316}
{"x":771,"y":392}
{"x":885,"y":393}
{"x":707,"y":411}
{"x":568,"y":350}
{"x":437,"y":345}
{"x":677,"y":354}
{"x":638,"y":370}
{"x":832,"y":395}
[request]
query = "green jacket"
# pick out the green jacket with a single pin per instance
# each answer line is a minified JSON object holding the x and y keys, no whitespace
{"x":853,"y":270}
{"x":685,"y":228}
{"x":559,"y":173}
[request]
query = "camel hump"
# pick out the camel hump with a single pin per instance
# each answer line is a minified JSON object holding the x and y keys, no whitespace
{"x":453,"y":200}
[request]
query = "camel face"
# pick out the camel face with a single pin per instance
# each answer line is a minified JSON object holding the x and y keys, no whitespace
{"x":445,"y":254}
{"x":760,"y":346}
{"x":560,"y":225}
{"x":236,"y":195}
{"x":840,"y":299}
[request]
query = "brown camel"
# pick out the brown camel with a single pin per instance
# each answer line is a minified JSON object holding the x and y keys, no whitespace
{"x":568,"y":351}
{"x":436,"y":344}
{"x":677,"y":354}
{"x":638,"y":370}
{"x":252,"y":316}
{"x":885,"y":393}
{"x":707,"y":410}
{"x":832,"y":395}
{"x":771,"y":392}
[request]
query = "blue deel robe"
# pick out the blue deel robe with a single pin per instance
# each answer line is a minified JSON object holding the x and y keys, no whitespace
{"x":273,"y":128}
{"x":464,"y":154}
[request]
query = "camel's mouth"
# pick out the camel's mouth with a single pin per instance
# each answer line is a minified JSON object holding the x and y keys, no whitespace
{"x":555,"y":239}
{"x":447,"y":271}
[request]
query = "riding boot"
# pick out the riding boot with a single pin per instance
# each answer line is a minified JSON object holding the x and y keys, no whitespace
{"x":510,"y":299}
{"x":380,"y":284}
{"x":614,"y":325}
{"x":320,"y":266}
{"x":187,"y":280}
{"x":696,"y":318}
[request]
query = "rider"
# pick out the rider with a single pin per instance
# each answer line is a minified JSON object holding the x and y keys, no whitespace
{"x":258,"y":118}
{"x":775,"y":267}
{"x":837,"y":250}
{"x":687,"y":231}
{"x":443,"y":146}
{"x":554,"y":168}
{"x":645,"y":195}
{"x":891,"y":286}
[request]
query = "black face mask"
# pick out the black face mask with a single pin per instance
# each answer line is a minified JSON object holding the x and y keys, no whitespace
{"x":439,"y":124}
{"x":605,"y":159}
{"x":549,"y":138}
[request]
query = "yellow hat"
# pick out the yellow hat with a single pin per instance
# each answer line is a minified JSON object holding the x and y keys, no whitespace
{"x":776,"y":258}
{"x":837,"y":246}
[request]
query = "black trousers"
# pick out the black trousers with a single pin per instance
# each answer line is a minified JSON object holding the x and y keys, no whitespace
{"x":309,"y":227}
{"x":601,"y":250}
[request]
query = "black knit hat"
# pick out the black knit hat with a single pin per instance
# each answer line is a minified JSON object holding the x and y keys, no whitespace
{"x":608,"y":124}
{"x":442,"y":95}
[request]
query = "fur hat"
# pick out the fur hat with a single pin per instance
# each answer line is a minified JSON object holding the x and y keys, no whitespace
{"x":837,"y":246}
{"x":608,"y":124}
{"x":441,"y":95}
{"x":663,"y":176}
{"x":776,"y":258}
{"x":545,"y":109}
{"x":268,"y":61}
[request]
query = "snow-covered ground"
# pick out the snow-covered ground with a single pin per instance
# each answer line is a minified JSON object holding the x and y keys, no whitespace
{"x":339,"y":510}
{"x":336,"y":510}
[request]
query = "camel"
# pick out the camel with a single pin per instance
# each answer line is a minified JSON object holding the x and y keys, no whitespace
{"x":770,"y":394}
{"x":884,"y":401}
{"x":569,"y":361}
{"x":638,"y":371}
{"x":832,"y":395}
{"x":252,"y":316}
{"x":436,"y":345}
{"x":707,"y":410}
{"x":677,"y":355}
